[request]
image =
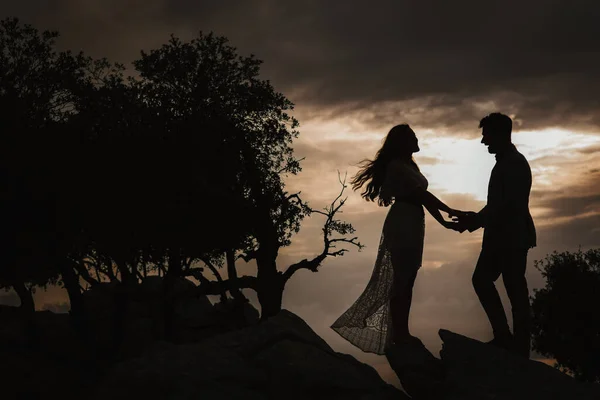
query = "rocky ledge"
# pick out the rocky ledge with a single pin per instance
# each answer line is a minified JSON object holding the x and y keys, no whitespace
{"x":472,"y":370}
{"x":281,"y":358}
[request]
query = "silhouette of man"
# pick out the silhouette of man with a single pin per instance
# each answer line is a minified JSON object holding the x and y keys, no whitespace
{"x":508,"y":235}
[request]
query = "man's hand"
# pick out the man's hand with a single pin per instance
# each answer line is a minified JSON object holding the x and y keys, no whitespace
{"x":455,"y":226}
{"x":466,"y":220}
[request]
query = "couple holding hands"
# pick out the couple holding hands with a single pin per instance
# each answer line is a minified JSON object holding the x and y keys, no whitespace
{"x":379,"y":317}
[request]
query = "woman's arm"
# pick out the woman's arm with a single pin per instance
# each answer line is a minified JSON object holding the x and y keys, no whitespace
{"x":435,"y":213}
{"x":430,"y":202}
{"x":434,"y":205}
{"x":435,"y":202}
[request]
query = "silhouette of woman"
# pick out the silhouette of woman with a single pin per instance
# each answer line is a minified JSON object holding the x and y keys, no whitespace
{"x":379,"y":317}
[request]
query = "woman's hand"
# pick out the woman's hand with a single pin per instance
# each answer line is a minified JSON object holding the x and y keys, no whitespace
{"x":457,"y":213}
{"x":455,"y":226}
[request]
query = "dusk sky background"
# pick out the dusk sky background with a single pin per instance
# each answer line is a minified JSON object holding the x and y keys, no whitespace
{"x":354,"y":70}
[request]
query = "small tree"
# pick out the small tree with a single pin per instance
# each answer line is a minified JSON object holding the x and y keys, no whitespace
{"x":566,"y":321}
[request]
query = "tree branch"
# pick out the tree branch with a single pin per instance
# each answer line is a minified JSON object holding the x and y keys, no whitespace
{"x":330,"y":226}
{"x":207,"y":287}
{"x":287,"y":167}
{"x":248,"y":256}
{"x":212,"y":268}
{"x":232,"y":274}
{"x":83,"y":272}
{"x":210,"y":265}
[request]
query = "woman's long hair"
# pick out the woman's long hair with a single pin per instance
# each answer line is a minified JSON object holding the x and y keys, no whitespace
{"x":372,"y":172}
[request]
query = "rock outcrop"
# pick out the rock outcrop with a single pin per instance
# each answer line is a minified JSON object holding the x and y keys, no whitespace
{"x":141,"y":311}
{"x":281,"y":358}
{"x":476,"y":370}
{"x":472,"y":370}
{"x":422,"y":374}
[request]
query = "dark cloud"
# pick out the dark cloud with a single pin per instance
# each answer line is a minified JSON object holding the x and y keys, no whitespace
{"x":590,"y":150}
{"x":570,"y":235}
{"x":331,"y":154}
{"x":568,"y":206}
{"x":455,"y":61}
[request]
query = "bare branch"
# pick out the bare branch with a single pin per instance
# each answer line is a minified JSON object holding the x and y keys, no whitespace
{"x":326,"y":214}
{"x":294,"y":195}
{"x":330,"y":226}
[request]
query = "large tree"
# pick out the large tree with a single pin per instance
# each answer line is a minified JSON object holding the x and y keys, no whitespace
{"x":566,"y":321}
{"x":206,"y":78}
{"x":165,"y":191}
{"x":182,"y":165}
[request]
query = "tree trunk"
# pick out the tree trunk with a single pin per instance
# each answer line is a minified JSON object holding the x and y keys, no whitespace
{"x":110,"y":270}
{"x":28,"y":309}
{"x":77,"y":313}
{"x":270,"y":285}
{"x":127,"y":277}
{"x":174,"y":271}
{"x":120,"y":304}
{"x":85,"y":274}
{"x":270,"y":294}
{"x":27,"y":304}
{"x":234,"y":289}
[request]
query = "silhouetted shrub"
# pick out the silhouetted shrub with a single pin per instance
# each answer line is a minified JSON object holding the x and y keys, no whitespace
{"x":566,"y":320}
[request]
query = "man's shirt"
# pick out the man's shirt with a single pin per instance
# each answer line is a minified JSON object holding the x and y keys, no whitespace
{"x":506,"y":219}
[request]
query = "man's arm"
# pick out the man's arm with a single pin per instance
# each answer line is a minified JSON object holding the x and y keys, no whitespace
{"x":515,"y":181}
{"x":475,"y":220}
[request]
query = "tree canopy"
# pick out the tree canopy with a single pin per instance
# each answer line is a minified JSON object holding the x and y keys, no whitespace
{"x":566,"y":323}
{"x":182,"y":163}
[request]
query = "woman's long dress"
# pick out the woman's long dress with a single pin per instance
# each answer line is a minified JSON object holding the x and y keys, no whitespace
{"x":367,"y":323}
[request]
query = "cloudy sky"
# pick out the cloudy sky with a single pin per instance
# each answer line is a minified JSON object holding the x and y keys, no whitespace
{"x":355,"y":69}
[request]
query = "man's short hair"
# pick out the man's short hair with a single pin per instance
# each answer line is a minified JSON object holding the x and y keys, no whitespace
{"x":497,"y":123}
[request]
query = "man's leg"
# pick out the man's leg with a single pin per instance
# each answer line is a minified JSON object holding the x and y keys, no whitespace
{"x":486,"y":273}
{"x":514,"y":265}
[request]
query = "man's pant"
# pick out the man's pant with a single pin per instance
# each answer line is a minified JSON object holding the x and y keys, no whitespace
{"x":511,"y":264}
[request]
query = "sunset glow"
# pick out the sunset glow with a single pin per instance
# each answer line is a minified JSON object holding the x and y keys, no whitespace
{"x":353,"y":71}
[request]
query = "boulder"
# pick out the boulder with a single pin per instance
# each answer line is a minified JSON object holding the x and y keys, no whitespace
{"x":38,"y":369}
{"x":472,"y":370}
{"x":143,"y":316}
{"x":476,"y":370}
{"x":281,"y":357}
{"x":422,"y":374}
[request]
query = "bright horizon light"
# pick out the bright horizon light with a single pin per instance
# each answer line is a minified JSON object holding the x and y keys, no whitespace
{"x":462,"y":166}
